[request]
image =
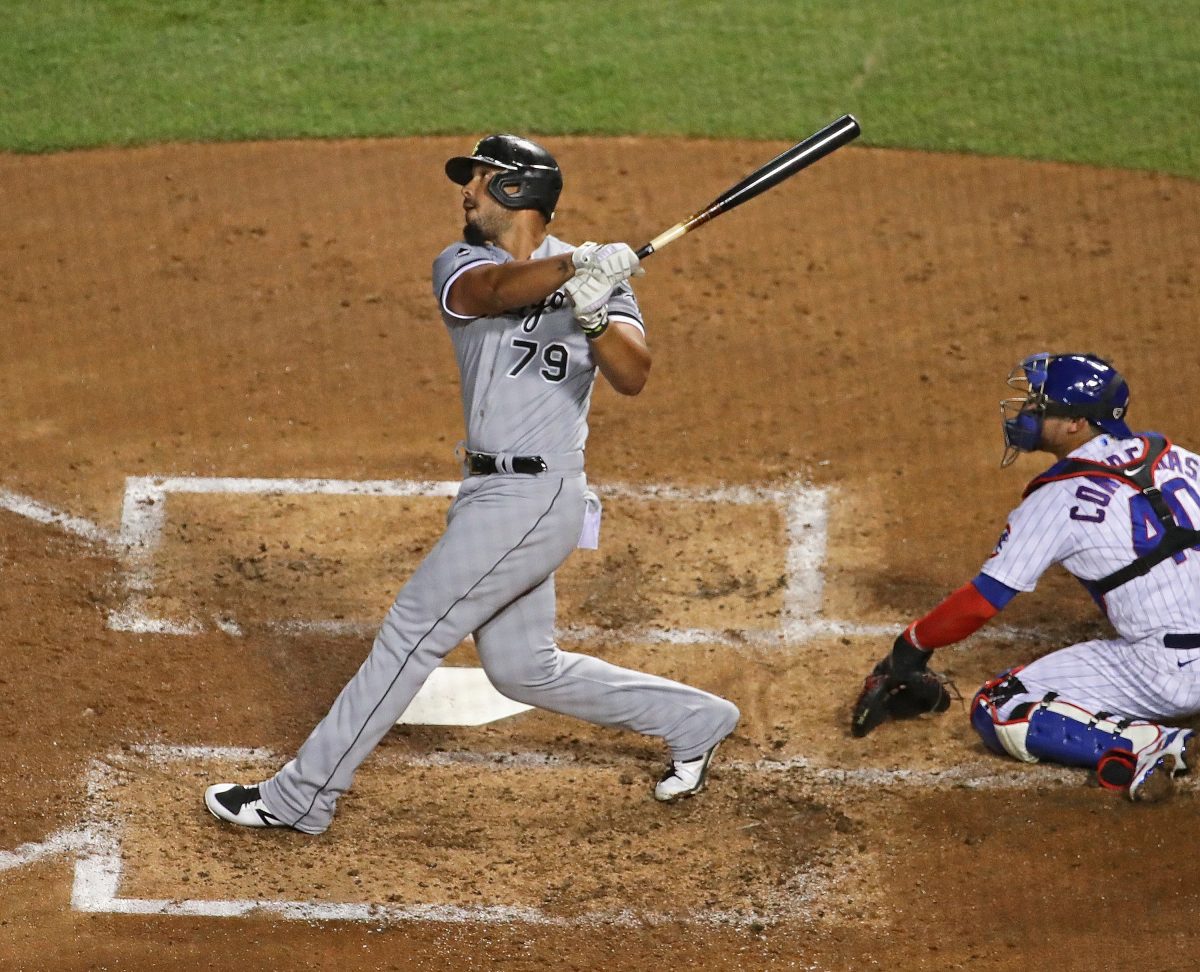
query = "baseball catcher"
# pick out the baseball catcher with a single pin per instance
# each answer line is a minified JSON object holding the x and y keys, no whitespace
{"x":1119,"y":511}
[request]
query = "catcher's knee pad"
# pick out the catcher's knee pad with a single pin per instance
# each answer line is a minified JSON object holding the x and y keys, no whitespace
{"x":1003,"y":736}
{"x":1053,"y":729}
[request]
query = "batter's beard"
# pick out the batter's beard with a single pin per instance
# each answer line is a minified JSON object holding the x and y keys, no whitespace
{"x":473,"y":234}
{"x":483,"y":226}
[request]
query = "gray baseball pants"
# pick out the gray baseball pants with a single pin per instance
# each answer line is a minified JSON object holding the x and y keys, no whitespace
{"x":491,"y":574}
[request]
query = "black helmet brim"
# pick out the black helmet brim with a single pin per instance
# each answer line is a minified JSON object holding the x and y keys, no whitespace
{"x":460,"y":168}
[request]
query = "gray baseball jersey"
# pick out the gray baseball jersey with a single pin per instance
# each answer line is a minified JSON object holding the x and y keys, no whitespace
{"x":527,"y":379}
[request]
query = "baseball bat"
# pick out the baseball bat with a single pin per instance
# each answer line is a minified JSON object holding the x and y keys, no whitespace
{"x":800,"y":156}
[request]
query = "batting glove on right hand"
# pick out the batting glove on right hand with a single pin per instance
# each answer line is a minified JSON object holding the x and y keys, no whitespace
{"x":589,"y":290}
{"x":619,"y":262}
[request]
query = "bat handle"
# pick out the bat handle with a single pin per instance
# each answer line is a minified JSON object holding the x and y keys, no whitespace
{"x":668,"y":236}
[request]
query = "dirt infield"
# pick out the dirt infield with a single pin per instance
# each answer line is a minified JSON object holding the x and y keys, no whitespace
{"x":230,"y":421}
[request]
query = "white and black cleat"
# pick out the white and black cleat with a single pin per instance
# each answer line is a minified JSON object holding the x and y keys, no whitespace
{"x":241,"y":805}
{"x":684,"y":779}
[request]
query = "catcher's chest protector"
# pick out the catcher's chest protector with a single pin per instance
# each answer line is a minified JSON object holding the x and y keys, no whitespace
{"x":1138,"y":473}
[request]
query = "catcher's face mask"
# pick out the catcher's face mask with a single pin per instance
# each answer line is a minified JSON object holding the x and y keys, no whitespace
{"x":1022,"y":417}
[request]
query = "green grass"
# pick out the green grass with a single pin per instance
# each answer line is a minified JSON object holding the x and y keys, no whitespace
{"x":1078,"y":80}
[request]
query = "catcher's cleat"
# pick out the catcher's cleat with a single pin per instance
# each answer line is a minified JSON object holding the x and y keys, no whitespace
{"x":683,"y":779}
{"x":242,"y":805}
{"x":1185,"y":747}
{"x":1147,"y":777}
{"x":1152,"y":778}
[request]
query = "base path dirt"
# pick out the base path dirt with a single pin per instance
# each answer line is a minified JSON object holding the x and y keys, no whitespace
{"x":814,"y":461}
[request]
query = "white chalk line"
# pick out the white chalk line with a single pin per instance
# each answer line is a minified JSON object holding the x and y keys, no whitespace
{"x":97,"y":877}
{"x":98,"y":847}
{"x":41,"y":513}
{"x":799,"y":631}
{"x":143,"y":519}
{"x":144,"y":515}
{"x":806,"y":513}
{"x":75,"y":841}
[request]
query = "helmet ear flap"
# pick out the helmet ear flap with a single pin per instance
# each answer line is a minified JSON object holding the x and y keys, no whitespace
{"x":527,"y":189}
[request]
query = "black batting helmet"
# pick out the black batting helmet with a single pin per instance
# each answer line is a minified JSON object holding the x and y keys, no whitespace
{"x":530,"y":178}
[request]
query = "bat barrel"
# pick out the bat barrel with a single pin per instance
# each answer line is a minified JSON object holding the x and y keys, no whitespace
{"x":800,"y":156}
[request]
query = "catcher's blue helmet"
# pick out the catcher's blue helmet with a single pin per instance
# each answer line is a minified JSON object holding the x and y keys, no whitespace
{"x":1066,"y":386}
{"x":530,"y":178}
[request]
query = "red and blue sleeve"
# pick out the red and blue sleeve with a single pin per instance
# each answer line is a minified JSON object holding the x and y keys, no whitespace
{"x":962,"y":613}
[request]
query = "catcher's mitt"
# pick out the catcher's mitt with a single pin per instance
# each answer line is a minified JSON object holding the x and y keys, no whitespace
{"x":900,"y":687}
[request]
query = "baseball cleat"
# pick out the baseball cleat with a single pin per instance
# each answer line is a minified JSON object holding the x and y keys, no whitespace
{"x":1152,"y":777}
{"x":237,"y":804}
{"x":1147,"y":777}
{"x":684,"y":779}
{"x":1184,"y":745}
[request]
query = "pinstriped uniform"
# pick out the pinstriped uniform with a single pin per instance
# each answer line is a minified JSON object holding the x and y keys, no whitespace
{"x":1093,"y":526}
{"x":526,"y":380}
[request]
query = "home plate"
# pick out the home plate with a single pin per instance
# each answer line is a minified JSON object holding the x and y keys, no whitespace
{"x":459,"y":697}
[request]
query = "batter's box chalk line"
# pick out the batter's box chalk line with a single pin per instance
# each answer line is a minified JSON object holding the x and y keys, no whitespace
{"x":463,"y":696}
{"x":41,"y":513}
{"x":144,"y":511}
{"x":97,"y":843}
{"x":805,"y":508}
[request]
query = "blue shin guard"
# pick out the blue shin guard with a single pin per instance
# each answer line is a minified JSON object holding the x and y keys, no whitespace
{"x":1052,"y":729}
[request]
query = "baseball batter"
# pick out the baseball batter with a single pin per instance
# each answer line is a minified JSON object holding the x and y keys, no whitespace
{"x":1119,"y":511}
{"x":531,"y":319}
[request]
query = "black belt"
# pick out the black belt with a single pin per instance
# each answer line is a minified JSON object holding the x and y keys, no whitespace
{"x":481,"y":464}
{"x":1182,"y":641}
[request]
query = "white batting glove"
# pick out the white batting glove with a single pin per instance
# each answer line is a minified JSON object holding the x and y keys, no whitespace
{"x":589,"y":290}
{"x":619,"y":262}
{"x":584,"y":255}
{"x":593,"y":325}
